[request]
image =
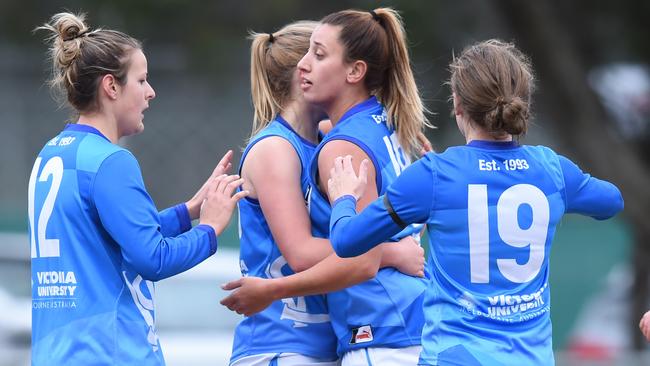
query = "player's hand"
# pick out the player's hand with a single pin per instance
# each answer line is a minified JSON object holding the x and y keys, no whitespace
{"x":194,"y":204}
{"x":250,"y":296}
{"x":425,"y":144}
{"x":325,"y":126}
{"x":408,"y":256}
{"x":644,"y":325}
{"x":220,"y":202}
{"x":344,"y":181}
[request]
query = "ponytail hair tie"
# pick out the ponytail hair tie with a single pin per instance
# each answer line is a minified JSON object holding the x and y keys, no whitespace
{"x":271,"y":38}
{"x":375,"y":16}
{"x":78,"y":35}
{"x":501,"y":101}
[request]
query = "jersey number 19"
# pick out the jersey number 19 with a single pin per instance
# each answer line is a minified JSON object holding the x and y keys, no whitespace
{"x":509,"y":231}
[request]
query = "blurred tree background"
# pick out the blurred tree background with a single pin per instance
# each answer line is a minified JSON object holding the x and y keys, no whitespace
{"x":198,"y":64}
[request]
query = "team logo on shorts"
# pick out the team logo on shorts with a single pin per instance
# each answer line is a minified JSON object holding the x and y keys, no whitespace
{"x":362,"y":334}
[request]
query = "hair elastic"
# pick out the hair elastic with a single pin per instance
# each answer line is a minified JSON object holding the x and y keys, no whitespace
{"x":271,"y":38}
{"x":80,"y":34}
{"x":374,"y":15}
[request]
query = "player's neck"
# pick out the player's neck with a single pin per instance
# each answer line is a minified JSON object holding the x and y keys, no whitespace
{"x":473,"y":132}
{"x":102,"y":123}
{"x":348,"y":98}
{"x":487,"y":137}
{"x":303,"y":119}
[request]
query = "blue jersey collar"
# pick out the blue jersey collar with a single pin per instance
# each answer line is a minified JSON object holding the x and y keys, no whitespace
{"x":368,"y":103}
{"x":84,"y":128}
{"x":286,"y":124}
{"x":494,"y":145}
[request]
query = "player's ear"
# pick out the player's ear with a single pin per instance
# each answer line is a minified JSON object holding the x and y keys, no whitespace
{"x":108,"y":86}
{"x":357,"y":72}
{"x":458,"y":111}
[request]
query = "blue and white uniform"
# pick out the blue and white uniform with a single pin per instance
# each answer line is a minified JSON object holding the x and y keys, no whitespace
{"x":491,"y":209}
{"x":385,"y":311}
{"x":299,"y":325}
{"x":97,"y":243}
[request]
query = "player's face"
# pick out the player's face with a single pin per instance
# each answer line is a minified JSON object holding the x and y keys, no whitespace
{"x":323,"y":70}
{"x":317,"y":113}
{"x":134,"y":96}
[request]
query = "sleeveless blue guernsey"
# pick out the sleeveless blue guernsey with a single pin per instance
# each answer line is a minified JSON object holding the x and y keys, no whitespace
{"x":492,"y":209}
{"x":385,"y":311}
{"x":299,"y":325}
{"x":97,"y":243}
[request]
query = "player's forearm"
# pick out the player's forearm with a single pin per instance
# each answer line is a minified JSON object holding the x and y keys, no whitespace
{"x":331,"y":274}
{"x":352,"y":235}
{"x":175,"y":220}
{"x":307,"y":253}
{"x":389,"y":254}
{"x":171,"y":255}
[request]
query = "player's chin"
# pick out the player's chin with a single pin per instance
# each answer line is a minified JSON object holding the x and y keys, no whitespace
{"x":139,"y":128}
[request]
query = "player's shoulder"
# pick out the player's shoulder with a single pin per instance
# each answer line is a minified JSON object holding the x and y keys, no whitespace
{"x":274,"y":127}
{"x":451,"y":153}
{"x":277,"y":134}
{"x":271,"y":148}
{"x":544,"y":155}
{"x":94,"y":150}
{"x":342,"y":147}
{"x":540,"y":149}
{"x":362,"y":118}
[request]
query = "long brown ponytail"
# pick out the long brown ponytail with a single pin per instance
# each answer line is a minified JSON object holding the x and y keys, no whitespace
{"x":378,"y":38}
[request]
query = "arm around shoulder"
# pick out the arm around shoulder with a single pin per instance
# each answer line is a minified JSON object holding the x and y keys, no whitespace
{"x":409,"y":199}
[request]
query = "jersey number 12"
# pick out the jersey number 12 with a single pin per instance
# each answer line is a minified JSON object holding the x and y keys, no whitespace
{"x":54,"y":168}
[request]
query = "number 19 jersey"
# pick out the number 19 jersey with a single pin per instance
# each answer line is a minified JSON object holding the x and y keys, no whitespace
{"x":492,"y":209}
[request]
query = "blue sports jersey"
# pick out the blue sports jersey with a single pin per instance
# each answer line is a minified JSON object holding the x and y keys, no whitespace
{"x":97,"y":243}
{"x":297,"y":325}
{"x":492,"y":209}
{"x":385,"y":311}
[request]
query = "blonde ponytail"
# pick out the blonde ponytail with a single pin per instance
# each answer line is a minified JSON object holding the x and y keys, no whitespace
{"x":265,"y":106}
{"x":274,"y":58}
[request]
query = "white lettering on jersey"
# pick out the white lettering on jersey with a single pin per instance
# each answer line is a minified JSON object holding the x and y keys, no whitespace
{"x":295,"y":308}
{"x":308,"y":198}
{"x":145,"y":305}
{"x":509,"y":231}
{"x":47,"y":247}
{"x":507,"y":307}
{"x":379,"y":118}
{"x":396,"y":153}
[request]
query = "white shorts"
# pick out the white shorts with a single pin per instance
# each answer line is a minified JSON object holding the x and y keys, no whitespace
{"x":282,"y":359}
{"x":382,"y":356}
